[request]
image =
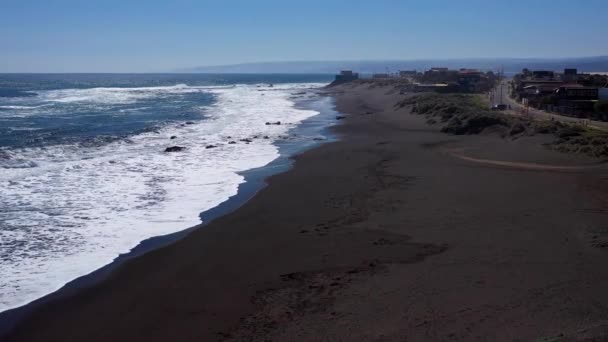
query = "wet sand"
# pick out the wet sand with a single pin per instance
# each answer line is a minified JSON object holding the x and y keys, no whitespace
{"x":394,"y":233}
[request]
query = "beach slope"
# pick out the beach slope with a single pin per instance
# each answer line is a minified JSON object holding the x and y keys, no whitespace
{"x":397,"y":232}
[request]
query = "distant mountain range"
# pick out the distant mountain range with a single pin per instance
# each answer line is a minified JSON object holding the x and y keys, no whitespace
{"x":510,"y":65}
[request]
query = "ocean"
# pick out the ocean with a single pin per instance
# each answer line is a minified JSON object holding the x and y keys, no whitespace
{"x":84,"y":176}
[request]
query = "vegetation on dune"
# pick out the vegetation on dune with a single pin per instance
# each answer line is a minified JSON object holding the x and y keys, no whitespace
{"x":577,"y":139}
{"x":462,"y":114}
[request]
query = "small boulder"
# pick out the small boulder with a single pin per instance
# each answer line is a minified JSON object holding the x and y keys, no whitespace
{"x":246,"y":140}
{"x":173,"y":137}
{"x":210,"y":146}
{"x":174,"y":149}
{"x":266,"y":137}
{"x":273,"y":123}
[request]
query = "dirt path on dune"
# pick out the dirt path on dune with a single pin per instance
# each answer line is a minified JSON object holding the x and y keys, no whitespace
{"x":524,"y":165}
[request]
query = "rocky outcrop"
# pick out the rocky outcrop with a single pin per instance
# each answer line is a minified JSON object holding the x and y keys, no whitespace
{"x":175,"y":149}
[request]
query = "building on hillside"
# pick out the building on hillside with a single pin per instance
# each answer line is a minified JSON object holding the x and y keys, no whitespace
{"x":543,"y":75}
{"x":536,"y":93}
{"x":577,"y":92}
{"x":529,"y":82}
{"x":570,"y":75}
{"x":407,"y":73}
{"x":540,"y":89}
{"x":438,"y":75}
{"x":603,"y":94}
{"x":469,"y":80}
{"x":346,"y":76}
{"x":568,"y":93}
{"x":576,"y":100}
{"x":539,"y":95}
{"x":469,"y":71}
{"x":378,"y":76}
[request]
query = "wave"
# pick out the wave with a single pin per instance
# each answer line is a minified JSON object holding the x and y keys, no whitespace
{"x":22,"y":107}
{"x":8,"y":160}
{"x":118,"y":95}
{"x":17,"y":164}
{"x":96,"y":202}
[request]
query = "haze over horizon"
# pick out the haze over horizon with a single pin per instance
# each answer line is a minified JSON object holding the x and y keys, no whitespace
{"x":73,"y":36}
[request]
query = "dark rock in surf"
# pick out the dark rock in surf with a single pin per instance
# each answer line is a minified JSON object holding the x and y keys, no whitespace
{"x":273,"y":123}
{"x":174,"y":149}
{"x":210,"y":146}
{"x":340,"y":117}
{"x":4,"y":155}
{"x":173,"y":137}
{"x":231,"y":142}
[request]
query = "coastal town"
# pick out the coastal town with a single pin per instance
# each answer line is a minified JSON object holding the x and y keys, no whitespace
{"x":581,"y":95}
{"x":438,"y":79}
{"x":568,"y":93}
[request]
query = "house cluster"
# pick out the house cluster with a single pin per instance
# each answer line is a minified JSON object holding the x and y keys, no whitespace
{"x":569,"y":93}
{"x":438,"y":79}
{"x":442,"y":79}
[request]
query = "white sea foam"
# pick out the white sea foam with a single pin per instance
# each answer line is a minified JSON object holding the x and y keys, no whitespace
{"x":74,"y":209}
{"x":116,"y":95}
{"x":18,"y":107}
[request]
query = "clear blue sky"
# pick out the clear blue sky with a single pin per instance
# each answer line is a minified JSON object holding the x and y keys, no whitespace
{"x":153,"y":35}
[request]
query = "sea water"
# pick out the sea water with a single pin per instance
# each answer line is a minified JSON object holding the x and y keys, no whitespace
{"x":84,"y":175}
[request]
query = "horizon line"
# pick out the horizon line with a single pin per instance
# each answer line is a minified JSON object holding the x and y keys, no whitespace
{"x":183,"y":70}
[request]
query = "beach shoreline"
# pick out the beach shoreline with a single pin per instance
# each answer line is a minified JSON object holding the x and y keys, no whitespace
{"x":306,"y":135}
{"x":381,"y":235}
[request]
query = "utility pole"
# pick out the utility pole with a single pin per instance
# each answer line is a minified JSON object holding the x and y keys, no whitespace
{"x":501,"y":84}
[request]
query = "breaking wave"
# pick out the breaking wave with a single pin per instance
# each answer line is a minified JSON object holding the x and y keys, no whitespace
{"x":68,"y":209}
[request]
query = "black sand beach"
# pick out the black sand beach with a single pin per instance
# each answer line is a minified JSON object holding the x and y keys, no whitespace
{"x":396,"y":232}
